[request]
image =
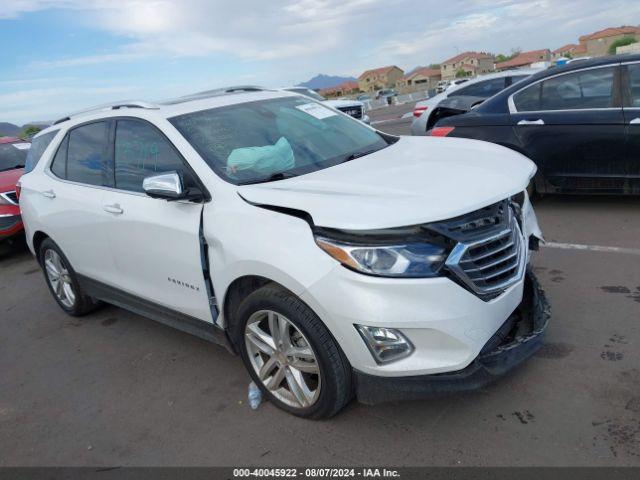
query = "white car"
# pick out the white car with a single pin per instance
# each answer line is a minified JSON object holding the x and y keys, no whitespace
{"x":353,"y":108}
{"x":483,"y":86}
{"x":334,"y":259}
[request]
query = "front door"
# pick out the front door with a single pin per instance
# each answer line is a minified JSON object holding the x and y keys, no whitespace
{"x":632,"y":120}
{"x":155,"y":243}
{"x":572,"y":127}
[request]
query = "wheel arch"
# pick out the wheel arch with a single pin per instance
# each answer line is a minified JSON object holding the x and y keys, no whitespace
{"x":38,"y":237}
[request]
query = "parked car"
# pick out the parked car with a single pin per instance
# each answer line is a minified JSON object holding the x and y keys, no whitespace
{"x":427,"y":112}
{"x":363,"y":97}
{"x":335,"y":259}
{"x":13,"y":152}
{"x":386,"y":94}
{"x":580,"y":124}
{"x":353,"y":108}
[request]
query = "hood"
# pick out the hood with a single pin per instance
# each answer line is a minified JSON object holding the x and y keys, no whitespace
{"x":9,"y":178}
{"x":416,"y":180}
{"x":343,"y":103}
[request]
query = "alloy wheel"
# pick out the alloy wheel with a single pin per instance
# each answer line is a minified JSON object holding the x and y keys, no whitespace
{"x":283,"y":359}
{"x":59,"y":278}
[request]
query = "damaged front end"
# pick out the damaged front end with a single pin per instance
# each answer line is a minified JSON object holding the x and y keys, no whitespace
{"x":515,"y":341}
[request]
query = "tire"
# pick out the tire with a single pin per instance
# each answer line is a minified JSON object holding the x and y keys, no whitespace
{"x":81,"y":304}
{"x":304,"y":329}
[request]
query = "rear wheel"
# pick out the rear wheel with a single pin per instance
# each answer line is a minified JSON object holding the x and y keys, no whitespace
{"x":291,"y":355}
{"x":63,"y":281}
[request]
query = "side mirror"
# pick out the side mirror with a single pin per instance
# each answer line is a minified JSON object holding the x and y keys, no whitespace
{"x":165,"y":185}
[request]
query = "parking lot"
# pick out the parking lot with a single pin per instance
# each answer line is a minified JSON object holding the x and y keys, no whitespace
{"x":115,"y":388}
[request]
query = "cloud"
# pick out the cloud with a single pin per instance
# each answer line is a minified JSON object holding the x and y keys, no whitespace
{"x":280,"y":42}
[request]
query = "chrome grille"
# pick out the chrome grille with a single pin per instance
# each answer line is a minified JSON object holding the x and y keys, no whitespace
{"x":490,"y":265}
{"x":355,"y":111}
{"x":12,"y":197}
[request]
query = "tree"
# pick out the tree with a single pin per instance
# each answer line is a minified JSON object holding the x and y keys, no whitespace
{"x":621,"y":42}
{"x":29,"y":131}
{"x":461,"y":73}
{"x":434,"y":66}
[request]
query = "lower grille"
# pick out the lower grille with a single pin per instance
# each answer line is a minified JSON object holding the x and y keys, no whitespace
{"x":490,"y":265}
{"x":355,"y":111}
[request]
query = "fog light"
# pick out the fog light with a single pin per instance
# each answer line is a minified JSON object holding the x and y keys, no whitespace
{"x":385,"y":344}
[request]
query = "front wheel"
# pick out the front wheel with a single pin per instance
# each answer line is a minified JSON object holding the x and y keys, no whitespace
{"x":291,"y":355}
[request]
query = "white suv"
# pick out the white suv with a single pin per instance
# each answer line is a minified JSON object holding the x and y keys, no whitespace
{"x":335,"y":259}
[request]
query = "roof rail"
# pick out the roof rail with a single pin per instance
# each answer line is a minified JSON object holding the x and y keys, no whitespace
{"x":110,"y":106}
{"x":217,"y":92}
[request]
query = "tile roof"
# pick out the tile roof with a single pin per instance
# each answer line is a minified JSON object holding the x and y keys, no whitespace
{"x":464,"y":55}
{"x":425,"y":72}
{"x":569,"y":47}
{"x":610,"y":32}
{"x":378,"y":71}
{"x":524,"y":58}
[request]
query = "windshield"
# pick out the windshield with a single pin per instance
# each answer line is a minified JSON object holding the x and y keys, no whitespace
{"x":275,"y":139}
{"x":12,"y":155}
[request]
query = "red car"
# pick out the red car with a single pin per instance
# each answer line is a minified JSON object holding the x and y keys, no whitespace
{"x":13,"y":152}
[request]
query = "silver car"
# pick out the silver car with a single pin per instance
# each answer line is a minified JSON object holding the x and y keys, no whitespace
{"x":484,"y":86}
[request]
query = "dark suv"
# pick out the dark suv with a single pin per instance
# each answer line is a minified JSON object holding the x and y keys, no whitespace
{"x":580,"y":124}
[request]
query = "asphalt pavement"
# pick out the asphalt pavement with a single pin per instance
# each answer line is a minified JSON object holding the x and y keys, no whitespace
{"x":114,"y":388}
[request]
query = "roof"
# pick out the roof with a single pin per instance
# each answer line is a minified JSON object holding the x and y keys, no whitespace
{"x":496,"y":103}
{"x":425,"y":72}
{"x":464,"y":55}
{"x":611,"y":32}
{"x":569,"y":47}
{"x":378,"y":71}
{"x":170,"y":109}
{"x":10,"y":140}
{"x":524,"y":58}
{"x":348,"y":85}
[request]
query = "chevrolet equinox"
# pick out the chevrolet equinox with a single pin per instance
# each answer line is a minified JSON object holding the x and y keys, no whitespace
{"x":336,"y":260}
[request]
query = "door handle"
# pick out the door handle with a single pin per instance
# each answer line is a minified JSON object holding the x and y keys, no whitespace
{"x":635,"y":121}
{"x":49,"y":194}
{"x":531,"y":122}
{"x":115,"y":208}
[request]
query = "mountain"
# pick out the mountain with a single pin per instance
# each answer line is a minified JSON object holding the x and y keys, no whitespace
{"x":9,"y":129}
{"x":325,"y":81}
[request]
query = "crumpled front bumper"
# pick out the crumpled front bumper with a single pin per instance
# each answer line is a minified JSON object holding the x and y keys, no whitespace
{"x":515,"y":341}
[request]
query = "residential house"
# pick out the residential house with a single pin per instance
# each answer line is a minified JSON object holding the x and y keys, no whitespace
{"x":597,"y":44}
{"x":471,"y":63}
{"x":379,"y":78}
{"x":420,"y":79}
{"x":525,"y":59}
{"x":342,"y":90}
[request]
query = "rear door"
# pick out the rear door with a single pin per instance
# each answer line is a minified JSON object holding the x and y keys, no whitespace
{"x":572,"y":126}
{"x":69,"y":200}
{"x":155,"y":243}
{"x":631,"y":98}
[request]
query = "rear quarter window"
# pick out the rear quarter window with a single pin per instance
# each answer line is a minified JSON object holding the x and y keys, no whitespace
{"x":38,"y":146}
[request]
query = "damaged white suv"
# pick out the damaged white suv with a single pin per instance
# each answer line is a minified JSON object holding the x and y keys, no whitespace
{"x":335,"y":259}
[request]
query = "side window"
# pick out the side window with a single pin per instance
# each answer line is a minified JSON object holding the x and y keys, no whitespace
{"x":38,"y":146}
{"x":87,"y":156}
{"x":581,"y":90}
{"x":59,"y":164}
{"x":486,"y":88}
{"x":142,"y":151}
{"x":634,"y":85}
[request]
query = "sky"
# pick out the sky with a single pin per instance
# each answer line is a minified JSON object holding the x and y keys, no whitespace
{"x":59,"y":56}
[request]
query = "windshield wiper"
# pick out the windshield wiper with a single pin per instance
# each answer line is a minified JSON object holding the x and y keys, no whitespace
{"x":355,"y":155}
{"x":271,"y":178}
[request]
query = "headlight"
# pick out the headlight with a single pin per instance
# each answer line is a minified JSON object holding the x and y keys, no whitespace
{"x":412,"y":260}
